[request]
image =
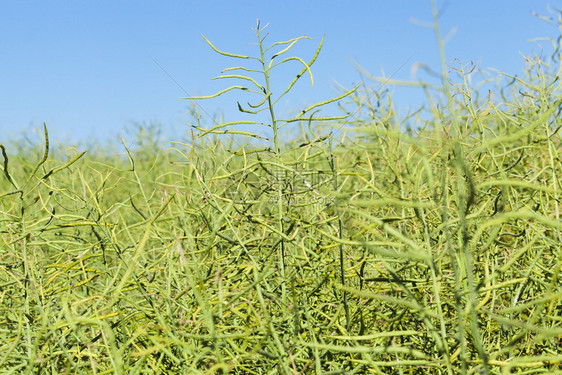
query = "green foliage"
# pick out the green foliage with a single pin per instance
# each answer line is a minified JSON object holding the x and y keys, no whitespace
{"x":266,"y":98}
{"x":266,"y":101}
{"x":430,"y":251}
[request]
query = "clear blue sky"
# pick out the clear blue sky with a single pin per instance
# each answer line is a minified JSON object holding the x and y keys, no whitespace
{"x":85,"y":67}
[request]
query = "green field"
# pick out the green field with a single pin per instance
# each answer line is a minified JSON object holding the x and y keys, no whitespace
{"x":355,"y":246}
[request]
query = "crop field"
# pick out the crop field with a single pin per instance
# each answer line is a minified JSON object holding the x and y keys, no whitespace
{"x":358,"y":246}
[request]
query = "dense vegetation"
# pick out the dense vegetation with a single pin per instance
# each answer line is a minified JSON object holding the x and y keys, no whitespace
{"x":360,"y":247}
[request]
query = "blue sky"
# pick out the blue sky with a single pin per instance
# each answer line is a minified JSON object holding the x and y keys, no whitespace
{"x":86,"y":69}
